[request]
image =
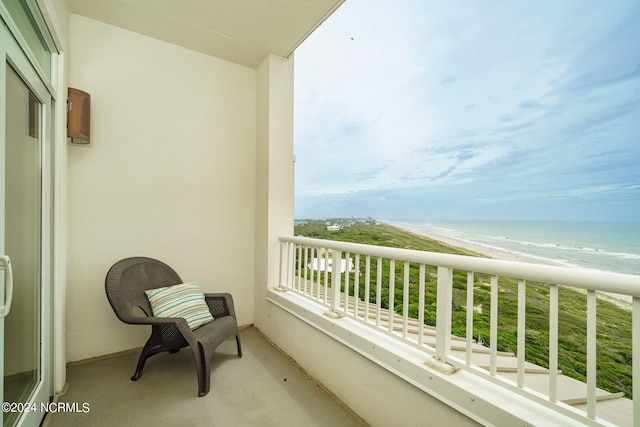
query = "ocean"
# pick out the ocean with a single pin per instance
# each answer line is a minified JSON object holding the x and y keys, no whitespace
{"x":607,"y":246}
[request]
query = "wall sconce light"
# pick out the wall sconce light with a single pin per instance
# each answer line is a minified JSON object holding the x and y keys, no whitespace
{"x":78,"y":116}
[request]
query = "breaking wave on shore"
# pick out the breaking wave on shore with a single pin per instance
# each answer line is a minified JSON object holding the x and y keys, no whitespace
{"x":608,"y":246}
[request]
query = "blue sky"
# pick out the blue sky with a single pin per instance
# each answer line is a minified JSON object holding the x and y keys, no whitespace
{"x":468,"y":109}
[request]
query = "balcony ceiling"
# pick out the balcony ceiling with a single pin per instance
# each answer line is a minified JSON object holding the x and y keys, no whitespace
{"x":240,"y":31}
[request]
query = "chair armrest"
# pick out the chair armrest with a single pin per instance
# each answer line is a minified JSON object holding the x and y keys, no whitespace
{"x":166,"y":326}
{"x":220,"y":304}
{"x":151,"y":320}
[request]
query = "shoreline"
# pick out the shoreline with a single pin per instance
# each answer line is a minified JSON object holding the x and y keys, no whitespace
{"x":623,"y":301}
{"x":473,"y":247}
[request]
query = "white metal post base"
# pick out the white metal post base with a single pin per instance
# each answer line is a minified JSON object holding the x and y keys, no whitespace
{"x":333,"y":314}
{"x":440,"y":366}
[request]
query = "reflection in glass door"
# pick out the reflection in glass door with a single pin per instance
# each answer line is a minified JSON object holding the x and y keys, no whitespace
{"x":22,"y":237}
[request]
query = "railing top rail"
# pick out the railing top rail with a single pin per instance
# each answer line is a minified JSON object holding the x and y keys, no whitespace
{"x":625,"y":284}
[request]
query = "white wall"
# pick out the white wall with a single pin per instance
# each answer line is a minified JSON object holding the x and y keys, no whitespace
{"x":169,"y":173}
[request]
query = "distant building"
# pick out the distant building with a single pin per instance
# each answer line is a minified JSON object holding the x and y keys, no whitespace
{"x":333,"y":227}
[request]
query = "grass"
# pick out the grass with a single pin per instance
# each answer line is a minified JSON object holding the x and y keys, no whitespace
{"x":613,"y":323}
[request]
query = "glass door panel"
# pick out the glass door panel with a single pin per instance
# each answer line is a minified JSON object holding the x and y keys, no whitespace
{"x":22,"y":237}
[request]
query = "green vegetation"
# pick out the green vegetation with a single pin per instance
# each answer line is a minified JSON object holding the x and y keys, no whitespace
{"x":613,"y":323}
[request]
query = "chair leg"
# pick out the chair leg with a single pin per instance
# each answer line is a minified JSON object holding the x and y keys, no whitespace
{"x":202,"y":370}
{"x":239,"y":346}
{"x":144,"y":355}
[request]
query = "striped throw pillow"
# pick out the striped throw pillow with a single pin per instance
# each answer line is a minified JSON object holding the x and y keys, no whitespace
{"x":185,"y":300}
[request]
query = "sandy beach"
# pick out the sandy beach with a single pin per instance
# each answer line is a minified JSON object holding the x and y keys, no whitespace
{"x":491,"y":253}
{"x":623,"y":301}
{"x":481,"y":250}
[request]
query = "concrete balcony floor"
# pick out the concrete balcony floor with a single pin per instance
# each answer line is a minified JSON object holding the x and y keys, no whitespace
{"x":263,"y":388}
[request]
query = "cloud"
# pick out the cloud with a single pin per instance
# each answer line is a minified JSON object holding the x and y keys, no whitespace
{"x":530,"y":104}
{"x":400,"y":105}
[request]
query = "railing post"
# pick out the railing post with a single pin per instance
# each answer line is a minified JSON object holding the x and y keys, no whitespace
{"x":443,"y":321}
{"x":335,"y":284}
{"x":284,"y":264}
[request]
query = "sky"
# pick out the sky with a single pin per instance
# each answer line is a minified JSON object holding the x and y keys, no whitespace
{"x":469,"y":109}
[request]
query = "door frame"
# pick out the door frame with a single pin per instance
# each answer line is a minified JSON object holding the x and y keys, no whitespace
{"x":14,"y":53}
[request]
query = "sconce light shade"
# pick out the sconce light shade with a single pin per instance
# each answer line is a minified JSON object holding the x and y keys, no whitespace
{"x":79,"y":116}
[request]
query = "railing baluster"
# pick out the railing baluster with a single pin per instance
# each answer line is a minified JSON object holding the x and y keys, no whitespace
{"x":493,"y":327}
{"x":392,"y":292}
{"x":553,"y":343}
{"x":591,"y":354}
{"x":367,"y":287}
{"x":326,"y":275}
{"x":356,"y":286}
{"x":306,"y":269}
{"x":347,"y":258}
{"x":299,"y":275}
{"x":635,"y":362}
{"x":421,"y":305}
{"x":317,"y":283}
{"x":291,"y":265}
{"x":470,"y":280}
{"x":335,"y":283}
{"x":378,"y":290}
{"x":522,"y":311}
{"x":316,"y":251}
{"x":283,"y":263}
{"x":405,"y":301}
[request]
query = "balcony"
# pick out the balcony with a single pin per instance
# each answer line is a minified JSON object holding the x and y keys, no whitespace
{"x":208,"y":188}
{"x":473,"y":377}
{"x":474,"y":380}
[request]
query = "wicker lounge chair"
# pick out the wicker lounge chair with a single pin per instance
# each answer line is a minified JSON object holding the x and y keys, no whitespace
{"x":125,"y":285}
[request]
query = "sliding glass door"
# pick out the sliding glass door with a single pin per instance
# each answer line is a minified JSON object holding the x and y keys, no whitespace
{"x":25,"y":344}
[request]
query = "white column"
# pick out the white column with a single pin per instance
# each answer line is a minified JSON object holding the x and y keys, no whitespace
{"x":274,"y":174}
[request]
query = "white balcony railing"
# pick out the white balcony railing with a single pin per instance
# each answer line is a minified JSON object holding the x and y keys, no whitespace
{"x":354,"y":288}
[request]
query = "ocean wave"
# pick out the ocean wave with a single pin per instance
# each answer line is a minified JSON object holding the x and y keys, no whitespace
{"x":581,"y":249}
{"x":626,"y":256}
{"x":596,"y":255}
